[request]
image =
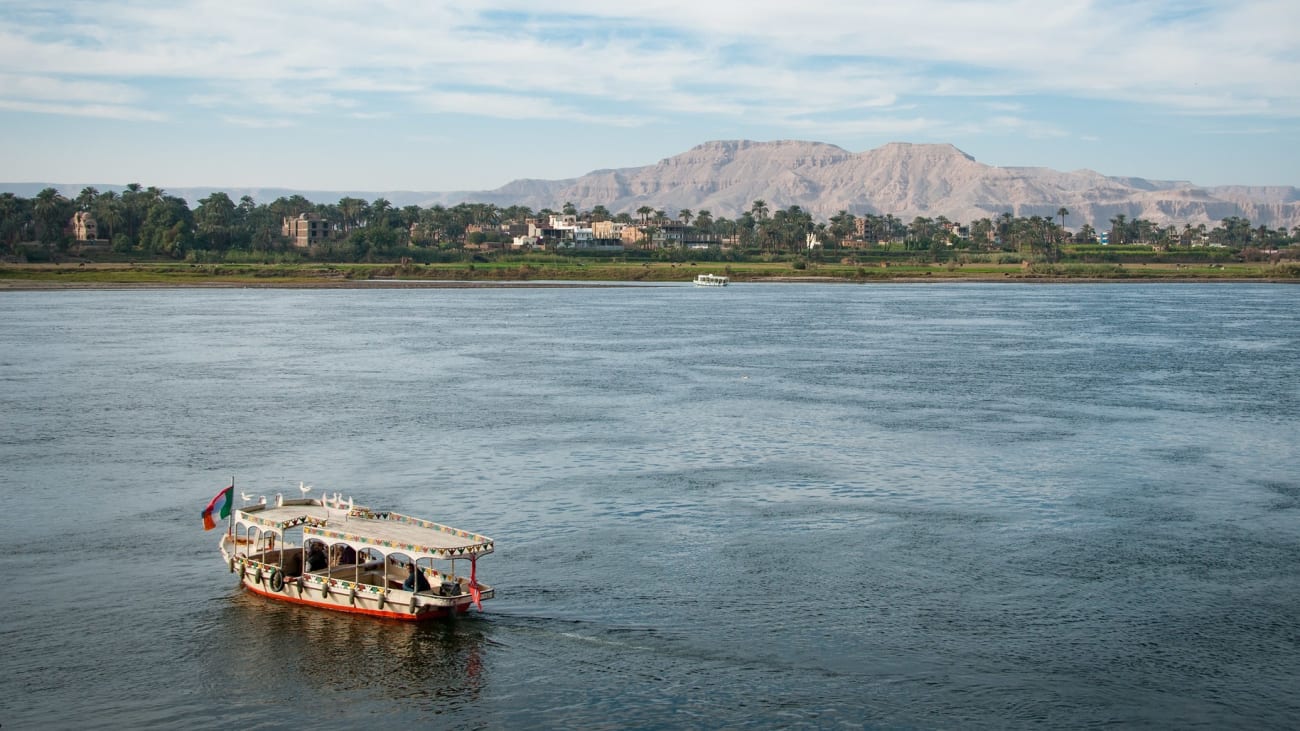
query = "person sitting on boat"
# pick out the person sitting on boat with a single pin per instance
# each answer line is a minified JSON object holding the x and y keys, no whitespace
{"x":292,"y":563}
{"x":347,"y":556}
{"x":415,"y":581}
{"x":316,"y":558}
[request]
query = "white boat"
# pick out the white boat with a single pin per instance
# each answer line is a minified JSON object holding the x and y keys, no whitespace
{"x":331,"y":554}
{"x":711,"y":280}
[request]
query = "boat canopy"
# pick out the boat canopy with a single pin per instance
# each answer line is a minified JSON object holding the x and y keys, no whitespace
{"x":363,"y":528}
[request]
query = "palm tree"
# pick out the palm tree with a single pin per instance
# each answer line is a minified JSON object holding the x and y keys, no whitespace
{"x":15,"y":218}
{"x":644,"y":212}
{"x":86,"y":198}
{"x":685,"y":216}
{"x":108,"y":211}
{"x":50,"y":215}
{"x":704,"y":220}
{"x":1118,"y":228}
{"x":351,"y":209}
{"x":214,"y":218}
{"x":379,"y":209}
{"x":759,"y":209}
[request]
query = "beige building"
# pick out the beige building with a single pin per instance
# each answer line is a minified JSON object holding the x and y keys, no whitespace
{"x":84,"y":227}
{"x":305,"y":229}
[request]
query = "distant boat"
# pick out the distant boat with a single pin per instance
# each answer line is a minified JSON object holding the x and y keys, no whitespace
{"x":711,"y":280}
{"x":333,"y":554}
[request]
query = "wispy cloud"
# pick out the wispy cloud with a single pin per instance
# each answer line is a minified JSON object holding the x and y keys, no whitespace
{"x":100,"y":111}
{"x":815,"y":69}
{"x":257,"y":122}
{"x":796,"y":66}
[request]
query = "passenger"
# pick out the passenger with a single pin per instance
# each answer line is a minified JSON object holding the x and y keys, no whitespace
{"x":347,"y":556}
{"x":293,"y":563}
{"x":416,"y":581}
{"x":316,"y":558}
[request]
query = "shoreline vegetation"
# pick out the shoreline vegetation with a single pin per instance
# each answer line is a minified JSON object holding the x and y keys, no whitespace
{"x":561,"y":271}
{"x":142,"y":237}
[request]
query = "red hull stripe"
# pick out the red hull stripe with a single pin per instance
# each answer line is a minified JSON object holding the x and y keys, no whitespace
{"x":401,"y":616}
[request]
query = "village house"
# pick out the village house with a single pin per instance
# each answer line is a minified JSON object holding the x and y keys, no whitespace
{"x":84,"y":227}
{"x":565,"y":231}
{"x":305,"y":230}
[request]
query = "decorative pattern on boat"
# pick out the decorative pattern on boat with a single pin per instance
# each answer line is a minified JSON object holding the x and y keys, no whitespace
{"x":282,"y":524}
{"x":314,"y":579}
{"x":342,"y":584}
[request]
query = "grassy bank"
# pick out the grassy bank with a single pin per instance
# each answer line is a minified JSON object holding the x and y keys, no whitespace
{"x":579,"y":271}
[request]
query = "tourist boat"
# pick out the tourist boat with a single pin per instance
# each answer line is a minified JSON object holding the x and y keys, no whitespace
{"x":711,"y":280}
{"x":329,"y":553}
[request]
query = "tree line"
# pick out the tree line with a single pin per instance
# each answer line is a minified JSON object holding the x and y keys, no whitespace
{"x":147,"y":221}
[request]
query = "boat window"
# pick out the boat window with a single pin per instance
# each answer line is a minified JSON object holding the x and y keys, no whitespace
{"x":316,"y":559}
{"x":341,"y":554}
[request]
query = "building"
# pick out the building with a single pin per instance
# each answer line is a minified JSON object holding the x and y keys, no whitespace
{"x":84,"y":227}
{"x":305,"y":230}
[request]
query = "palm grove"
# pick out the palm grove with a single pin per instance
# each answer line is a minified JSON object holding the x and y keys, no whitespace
{"x":147,"y":222}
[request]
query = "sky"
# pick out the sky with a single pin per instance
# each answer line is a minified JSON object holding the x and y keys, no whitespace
{"x":451,"y":95}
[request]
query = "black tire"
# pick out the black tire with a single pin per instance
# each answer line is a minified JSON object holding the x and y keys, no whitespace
{"x":277,"y":581}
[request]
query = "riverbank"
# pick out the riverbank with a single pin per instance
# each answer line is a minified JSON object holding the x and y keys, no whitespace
{"x":87,"y":275}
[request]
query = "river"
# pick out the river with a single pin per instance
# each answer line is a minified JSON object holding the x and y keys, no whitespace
{"x":755,"y":507}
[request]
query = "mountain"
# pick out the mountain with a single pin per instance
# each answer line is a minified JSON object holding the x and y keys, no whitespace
{"x":906,"y":180}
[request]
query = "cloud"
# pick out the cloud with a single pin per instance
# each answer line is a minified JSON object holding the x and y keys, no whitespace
{"x":101,"y":111}
{"x":515,"y":106}
{"x":258,"y":122}
{"x":806,"y":66}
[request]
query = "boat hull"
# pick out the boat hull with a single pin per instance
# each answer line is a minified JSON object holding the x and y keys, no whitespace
{"x":339,"y":595}
{"x":404,"y":615}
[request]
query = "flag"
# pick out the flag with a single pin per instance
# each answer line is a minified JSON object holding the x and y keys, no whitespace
{"x":220,"y":505}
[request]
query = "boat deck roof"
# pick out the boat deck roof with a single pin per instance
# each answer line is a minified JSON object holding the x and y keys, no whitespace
{"x":378,"y":530}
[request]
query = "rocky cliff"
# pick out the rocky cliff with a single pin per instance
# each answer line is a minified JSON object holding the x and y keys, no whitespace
{"x":906,"y":180}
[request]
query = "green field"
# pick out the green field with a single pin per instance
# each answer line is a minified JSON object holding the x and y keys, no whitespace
{"x":559,"y":269}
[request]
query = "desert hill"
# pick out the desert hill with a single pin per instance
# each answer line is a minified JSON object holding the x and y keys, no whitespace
{"x":906,"y":180}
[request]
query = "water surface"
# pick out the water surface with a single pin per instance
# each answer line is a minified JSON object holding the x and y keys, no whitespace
{"x":765,"y":506}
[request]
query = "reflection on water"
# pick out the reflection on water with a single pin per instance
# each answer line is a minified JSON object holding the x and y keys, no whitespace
{"x":295,"y":652}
